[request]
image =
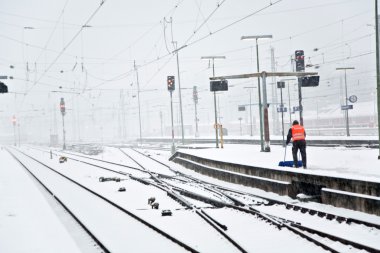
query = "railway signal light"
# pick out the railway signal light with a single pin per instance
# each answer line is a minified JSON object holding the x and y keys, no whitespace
{"x":14,"y":120}
{"x":171,"y":83}
{"x":62,"y":106}
{"x":300,"y":60}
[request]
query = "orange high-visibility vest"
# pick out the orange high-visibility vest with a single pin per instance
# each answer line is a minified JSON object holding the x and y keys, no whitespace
{"x":298,"y":133}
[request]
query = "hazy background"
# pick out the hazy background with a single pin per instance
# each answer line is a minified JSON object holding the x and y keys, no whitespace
{"x":52,"y":51}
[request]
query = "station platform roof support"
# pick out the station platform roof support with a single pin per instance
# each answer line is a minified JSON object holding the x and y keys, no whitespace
{"x":264,"y":105}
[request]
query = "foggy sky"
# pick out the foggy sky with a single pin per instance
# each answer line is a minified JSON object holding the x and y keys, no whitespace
{"x":94,"y":71}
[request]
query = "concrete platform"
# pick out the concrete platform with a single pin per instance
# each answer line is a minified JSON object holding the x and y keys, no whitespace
{"x":360,"y":195}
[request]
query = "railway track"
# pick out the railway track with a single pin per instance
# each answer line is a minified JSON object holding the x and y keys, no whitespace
{"x":170,"y":241}
{"x":304,"y":231}
{"x":229,"y":198}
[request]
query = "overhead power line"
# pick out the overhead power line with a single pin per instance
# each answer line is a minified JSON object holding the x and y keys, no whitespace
{"x":67,"y":45}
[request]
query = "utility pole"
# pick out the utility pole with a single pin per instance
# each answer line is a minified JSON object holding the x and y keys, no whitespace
{"x":281,"y":85}
{"x":215,"y":110}
{"x":265,"y":110}
{"x":250,"y":108}
{"x":240,"y":118}
{"x":377,"y":71}
{"x":274,"y":93}
{"x":179,"y":91}
{"x":346,"y":105}
{"x":63,"y":112}
{"x":162,"y":133}
{"x":261,"y":108}
{"x":171,"y":88}
{"x":138,"y":99}
{"x":19,"y":134}
{"x":195,"y":98}
{"x":14,"y":130}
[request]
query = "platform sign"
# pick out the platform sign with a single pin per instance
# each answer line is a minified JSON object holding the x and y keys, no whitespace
{"x":347,"y":107}
{"x":3,"y":77}
{"x":282,"y":109}
{"x":296,"y":108}
{"x":241,"y":108}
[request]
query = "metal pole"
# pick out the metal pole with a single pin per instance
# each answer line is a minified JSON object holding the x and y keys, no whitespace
{"x":180,"y":99}
{"x":64,"y":132}
{"x":19,"y":136}
{"x":347,"y":121}
{"x":240,"y":126}
{"x":171,"y":113}
{"x":138,"y":101}
{"x":259,"y":90}
{"x":162,"y":132}
{"x":250,"y":110}
{"x":196,"y":120}
{"x":282,"y":119}
{"x":377,"y":71}
{"x":290,"y":109}
{"x":14,"y":134}
{"x":300,"y":100}
{"x":265,"y":109}
{"x":216,"y":113}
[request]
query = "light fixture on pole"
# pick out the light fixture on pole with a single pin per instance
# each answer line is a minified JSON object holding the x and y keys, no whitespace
{"x":265,"y":107}
{"x":216,"y":113}
{"x":346,"y":107}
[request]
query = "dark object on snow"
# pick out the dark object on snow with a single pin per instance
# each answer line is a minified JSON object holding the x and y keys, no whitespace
{"x":166,"y":212}
{"x":289,"y":164}
{"x":122,"y":189}
{"x":155,"y":205}
{"x":104,"y":179}
{"x":151,"y":200}
{"x":62,"y":159}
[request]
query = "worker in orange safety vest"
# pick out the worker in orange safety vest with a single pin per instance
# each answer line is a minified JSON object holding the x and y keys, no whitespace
{"x":297,"y":134}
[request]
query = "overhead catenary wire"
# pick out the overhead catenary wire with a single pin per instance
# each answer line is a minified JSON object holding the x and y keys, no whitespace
{"x":53,"y":31}
{"x":67,"y":45}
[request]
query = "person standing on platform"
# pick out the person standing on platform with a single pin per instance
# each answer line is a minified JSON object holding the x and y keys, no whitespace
{"x":298,"y":134}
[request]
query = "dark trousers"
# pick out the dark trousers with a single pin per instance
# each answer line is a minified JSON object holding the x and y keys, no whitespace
{"x":299,"y":145}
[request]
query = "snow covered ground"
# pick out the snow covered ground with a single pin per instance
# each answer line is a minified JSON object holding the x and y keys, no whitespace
{"x":356,"y":163}
{"x":20,"y":221}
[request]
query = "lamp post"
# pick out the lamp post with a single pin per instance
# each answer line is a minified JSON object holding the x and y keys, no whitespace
{"x":257,"y":37}
{"x":216,"y":113}
{"x":346,"y":105}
